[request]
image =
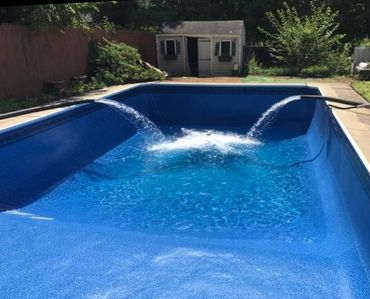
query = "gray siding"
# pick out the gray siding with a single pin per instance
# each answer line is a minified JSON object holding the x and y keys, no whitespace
{"x":224,"y":68}
{"x":172,"y":67}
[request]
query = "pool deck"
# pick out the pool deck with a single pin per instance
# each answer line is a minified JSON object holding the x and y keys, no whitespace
{"x":355,"y":121}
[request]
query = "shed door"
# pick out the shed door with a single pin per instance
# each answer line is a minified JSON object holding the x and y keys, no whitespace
{"x":204,"y":56}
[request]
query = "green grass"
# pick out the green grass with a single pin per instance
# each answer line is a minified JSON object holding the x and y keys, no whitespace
{"x":273,"y":79}
{"x":363,"y":88}
{"x":74,"y":89}
{"x":288,"y":79}
{"x":18,"y":104}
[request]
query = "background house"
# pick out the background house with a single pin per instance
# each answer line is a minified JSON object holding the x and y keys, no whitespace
{"x":202,"y":48}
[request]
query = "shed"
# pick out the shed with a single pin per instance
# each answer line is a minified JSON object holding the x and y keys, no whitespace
{"x":201,"y":48}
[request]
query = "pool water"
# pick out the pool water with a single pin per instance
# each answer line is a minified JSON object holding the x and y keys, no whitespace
{"x":196,"y":186}
{"x":101,"y":210}
{"x":264,"y":211}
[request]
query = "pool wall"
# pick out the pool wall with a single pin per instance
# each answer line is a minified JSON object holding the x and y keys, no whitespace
{"x":238,"y":106}
{"x":349,"y":172}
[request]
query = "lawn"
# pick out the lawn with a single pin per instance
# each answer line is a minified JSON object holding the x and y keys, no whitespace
{"x":363,"y":88}
{"x":18,"y":104}
{"x":287,"y":79}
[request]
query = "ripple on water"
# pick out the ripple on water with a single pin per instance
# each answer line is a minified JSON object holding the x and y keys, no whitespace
{"x":200,"y":183}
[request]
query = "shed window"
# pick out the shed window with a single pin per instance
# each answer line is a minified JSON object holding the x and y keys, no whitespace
{"x":170,"y":48}
{"x":225,"y":50}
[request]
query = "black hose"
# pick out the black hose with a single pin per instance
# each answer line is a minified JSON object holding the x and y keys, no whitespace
{"x":351,"y":107}
{"x":332,"y":99}
{"x":43,"y":108}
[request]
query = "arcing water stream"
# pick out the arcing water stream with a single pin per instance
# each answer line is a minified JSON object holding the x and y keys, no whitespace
{"x":204,"y":139}
{"x":256,"y":130}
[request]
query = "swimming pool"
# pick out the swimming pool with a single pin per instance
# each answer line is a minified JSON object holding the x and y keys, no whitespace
{"x":93,"y":207}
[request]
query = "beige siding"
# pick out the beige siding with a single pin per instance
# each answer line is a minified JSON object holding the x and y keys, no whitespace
{"x":224,"y":68}
{"x":172,"y":67}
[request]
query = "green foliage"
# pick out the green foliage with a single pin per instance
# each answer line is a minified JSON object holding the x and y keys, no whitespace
{"x":78,"y":88}
{"x":363,"y":88}
{"x":256,"y":68}
{"x":339,"y":62}
{"x":107,"y":25}
{"x":75,"y":15}
{"x":253,"y":67}
{"x":18,"y":104}
{"x":315,"y":71}
{"x":365,"y":42}
{"x":303,"y":42}
{"x":117,"y":63}
{"x":354,"y":15}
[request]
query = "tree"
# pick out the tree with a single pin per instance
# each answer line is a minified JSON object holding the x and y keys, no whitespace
{"x":75,"y":15}
{"x":354,"y":15}
{"x":302,"y":41}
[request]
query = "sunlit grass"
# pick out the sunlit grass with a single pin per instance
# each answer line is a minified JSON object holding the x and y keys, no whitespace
{"x":363,"y":88}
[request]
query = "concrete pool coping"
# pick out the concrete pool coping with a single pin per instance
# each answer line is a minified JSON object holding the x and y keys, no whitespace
{"x":355,"y":122}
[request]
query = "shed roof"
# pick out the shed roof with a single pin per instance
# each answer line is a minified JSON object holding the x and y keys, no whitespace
{"x":204,"y":27}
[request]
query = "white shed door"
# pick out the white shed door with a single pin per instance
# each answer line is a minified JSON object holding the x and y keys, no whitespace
{"x":204,"y":57}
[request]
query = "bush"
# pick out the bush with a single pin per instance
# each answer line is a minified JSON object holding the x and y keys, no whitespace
{"x":78,"y":88}
{"x":365,"y":42}
{"x":116,"y":63}
{"x":339,"y":63}
{"x":302,"y":42}
{"x":315,"y":71}
{"x":256,"y":68}
{"x":253,"y":67}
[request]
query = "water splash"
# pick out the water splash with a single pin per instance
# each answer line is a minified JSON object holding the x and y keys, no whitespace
{"x":205,"y":140}
{"x":136,"y":118}
{"x":256,"y":130}
{"x":200,"y":140}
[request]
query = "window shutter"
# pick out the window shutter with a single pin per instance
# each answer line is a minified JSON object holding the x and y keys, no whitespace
{"x":233,"y":48}
{"x":162,"y":47}
{"x":217,"y":48}
{"x":177,"y":47}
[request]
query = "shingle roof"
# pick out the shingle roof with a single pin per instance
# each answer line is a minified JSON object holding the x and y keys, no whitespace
{"x":204,"y":27}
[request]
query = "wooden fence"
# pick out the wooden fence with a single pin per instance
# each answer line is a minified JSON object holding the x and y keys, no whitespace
{"x":30,"y":58}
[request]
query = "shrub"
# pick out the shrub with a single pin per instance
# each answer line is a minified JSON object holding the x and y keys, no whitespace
{"x":365,"y":42}
{"x":339,"y":62}
{"x":306,"y":41}
{"x":77,"y":88}
{"x":256,"y":68}
{"x":315,"y":71}
{"x":253,"y":66}
{"x":117,"y":63}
